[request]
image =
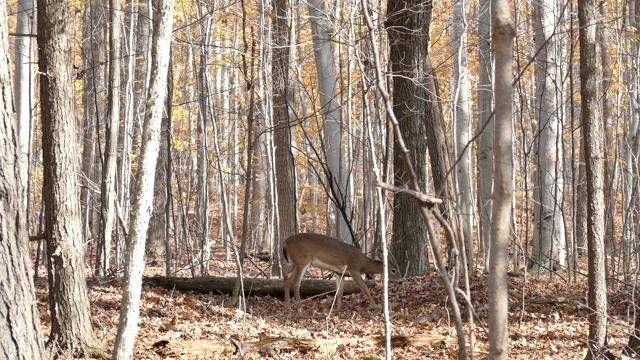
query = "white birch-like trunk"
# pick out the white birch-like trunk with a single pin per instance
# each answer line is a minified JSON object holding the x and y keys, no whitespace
{"x":629,"y":225}
{"x":486,"y":125}
{"x":129,"y":114}
{"x":143,"y":203}
{"x":462,"y":120}
{"x":549,"y":241}
{"x":23,"y":84}
{"x":327,"y":83}
{"x":503,"y":34}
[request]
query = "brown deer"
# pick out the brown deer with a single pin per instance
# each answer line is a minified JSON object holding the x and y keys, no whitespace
{"x":327,"y":253}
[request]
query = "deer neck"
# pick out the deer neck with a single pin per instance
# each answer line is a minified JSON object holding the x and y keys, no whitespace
{"x":371,"y":266}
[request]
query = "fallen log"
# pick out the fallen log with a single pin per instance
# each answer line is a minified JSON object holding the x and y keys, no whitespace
{"x":276,"y":344}
{"x":252,"y":286}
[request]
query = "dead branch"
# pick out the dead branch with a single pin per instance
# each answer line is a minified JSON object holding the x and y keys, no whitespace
{"x":423,"y":198}
{"x":277,"y":344}
{"x":252,"y":286}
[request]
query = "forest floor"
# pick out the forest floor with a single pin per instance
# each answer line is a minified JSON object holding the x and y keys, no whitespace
{"x":547,"y":318}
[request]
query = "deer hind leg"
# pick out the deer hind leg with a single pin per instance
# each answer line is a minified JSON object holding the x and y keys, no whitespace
{"x":287,"y":286}
{"x":296,"y":277}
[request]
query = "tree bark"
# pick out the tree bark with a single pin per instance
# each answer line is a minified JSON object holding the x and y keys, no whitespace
{"x":71,"y":327}
{"x":408,"y":30}
{"x":108,"y":212}
{"x":609,"y":155}
{"x":141,"y":211}
{"x":331,"y":112}
{"x":202,"y":178}
{"x":486,"y":125}
{"x":503,"y":34}
{"x":631,"y":144}
{"x":23,"y":82}
{"x":157,"y":245}
{"x":259,"y":175}
{"x":20,"y":334}
{"x":285,"y":163}
{"x":592,"y":142}
{"x":462,"y":118}
{"x":93,"y":106}
{"x":549,"y":242}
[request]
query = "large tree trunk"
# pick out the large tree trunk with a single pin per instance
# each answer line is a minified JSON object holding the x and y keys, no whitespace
{"x":328,"y":88}
{"x":408,"y":30}
{"x":592,"y":142}
{"x":549,"y":242}
{"x":20,"y":335}
{"x":285,"y":164}
{"x":71,"y":328}
{"x":141,"y":211}
{"x":503,"y":34}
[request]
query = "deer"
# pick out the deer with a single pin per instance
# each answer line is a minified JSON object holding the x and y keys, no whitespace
{"x":327,"y":253}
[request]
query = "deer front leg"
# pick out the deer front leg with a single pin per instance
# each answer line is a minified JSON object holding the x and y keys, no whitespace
{"x":357,"y":277}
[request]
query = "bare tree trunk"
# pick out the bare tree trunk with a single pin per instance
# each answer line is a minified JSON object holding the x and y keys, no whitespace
{"x":549,"y":241}
{"x":330,"y":108}
{"x":71,"y":327}
{"x":485,"y":124}
{"x":503,"y":34}
{"x":111,"y":142}
{"x":630,"y":145}
{"x":94,"y":106}
{"x":285,"y":164}
{"x":259,"y":180}
{"x":592,"y":142}
{"x":20,"y":334}
{"x":412,"y":102}
{"x":610,"y":198}
{"x":141,"y":211}
{"x":426,"y":207}
{"x":157,"y":245}
{"x":204,"y":118}
{"x":23,"y":83}
{"x":462,"y":118}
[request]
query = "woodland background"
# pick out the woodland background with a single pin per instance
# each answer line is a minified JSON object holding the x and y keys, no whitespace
{"x":277,"y":120}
